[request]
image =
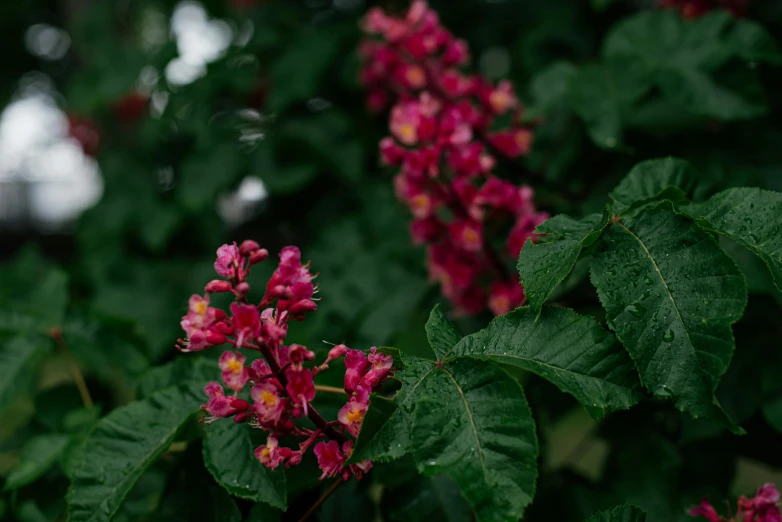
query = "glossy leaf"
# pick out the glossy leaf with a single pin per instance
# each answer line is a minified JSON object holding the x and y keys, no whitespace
{"x":654,"y":180}
{"x":473,"y":424}
{"x":619,"y":514}
{"x":545,"y":264}
{"x":228,"y":455}
{"x":572,"y":351}
{"x":682,"y":58}
{"x":427,"y":499}
{"x":122,"y":446}
{"x":38,"y":456}
{"x":390,"y":437}
{"x":440,"y":333}
{"x":670,"y":294}
{"x":749,"y":216}
{"x":19,"y":358}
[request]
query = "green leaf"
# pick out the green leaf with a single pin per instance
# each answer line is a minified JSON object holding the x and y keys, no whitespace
{"x":748,"y":216}
{"x":619,"y":514}
{"x":428,"y":499}
{"x":572,"y":351}
{"x":377,"y":416}
{"x":19,"y":358}
{"x":603,"y":95}
{"x":543,"y":265}
{"x":654,"y":180}
{"x":474,"y":425}
{"x":670,"y":294}
{"x":228,"y":455}
{"x":391,"y":439}
{"x":38,"y":455}
{"x":440,"y":333}
{"x":263,"y":513}
{"x":682,"y":58}
{"x":122,"y":446}
{"x":194,"y":369}
{"x":50,"y":298}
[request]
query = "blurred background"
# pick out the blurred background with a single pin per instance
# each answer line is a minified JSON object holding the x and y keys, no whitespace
{"x":136,"y":136}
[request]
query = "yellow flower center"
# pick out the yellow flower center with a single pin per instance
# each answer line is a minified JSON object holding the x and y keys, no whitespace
{"x":235,"y":366}
{"x":523,"y":138}
{"x":355,"y":415}
{"x":499,"y":101}
{"x":200,"y":308}
{"x":421,"y":202}
{"x":415,"y":76}
{"x":407,"y":133}
{"x":500,"y":303}
{"x":269,"y":399}
{"x":265,"y":452}
{"x":470,"y":236}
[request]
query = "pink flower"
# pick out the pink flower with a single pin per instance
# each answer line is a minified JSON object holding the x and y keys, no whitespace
{"x":504,"y":297}
{"x":467,"y":234}
{"x":228,"y":259}
{"x":200,"y":315}
{"x":358,"y":469}
{"x":351,"y":415}
{"x":297,"y":354}
{"x":289,"y":273}
{"x":426,"y":230}
{"x":330,"y":458}
{"x":219,"y":406}
{"x":234,"y":373}
{"x":380,"y":370}
{"x":259,"y":369}
{"x":512,"y":143}
{"x":270,"y":326}
{"x":246,"y":322}
{"x":405,"y":122}
{"x":300,"y":387}
{"x":469,"y":301}
{"x":271,"y":455}
{"x":268,"y":404}
{"x":706,"y":511}
{"x":390,"y":152}
{"x":456,"y":52}
{"x":523,"y":230}
{"x":356,"y":366}
{"x":500,"y":100}
{"x":410,"y":75}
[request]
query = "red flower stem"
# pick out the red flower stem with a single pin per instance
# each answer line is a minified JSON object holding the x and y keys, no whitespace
{"x":322,"y":499}
{"x":312,"y":413}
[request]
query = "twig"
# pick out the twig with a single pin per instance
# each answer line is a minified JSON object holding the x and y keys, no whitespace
{"x":78,"y":378}
{"x":312,"y":413}
{"x":322,"y":499}
{"x":329,"y":389}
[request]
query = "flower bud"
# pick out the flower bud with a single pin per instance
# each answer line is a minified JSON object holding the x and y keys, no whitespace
{"x":243,"y":288}
{"x":241,"y":417}
{"x":217,"y":286}
{"x":215,"y":338}
{"x":248,"y":246}
{"x":240,"y":404}
{"x":258,"y":256}
{"x":338,"y":351}
{"x":305,"y":305}
{"x":223,"y":328}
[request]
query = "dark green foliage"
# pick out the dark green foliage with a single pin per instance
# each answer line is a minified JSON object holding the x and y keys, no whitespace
{"x":653,"y":291}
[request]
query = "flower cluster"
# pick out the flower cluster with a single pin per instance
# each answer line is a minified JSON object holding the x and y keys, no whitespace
{"x":696,"y":8}
{"x":763,"y":507}
{"x":447,"y":130}
{"x":281,"y":381}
